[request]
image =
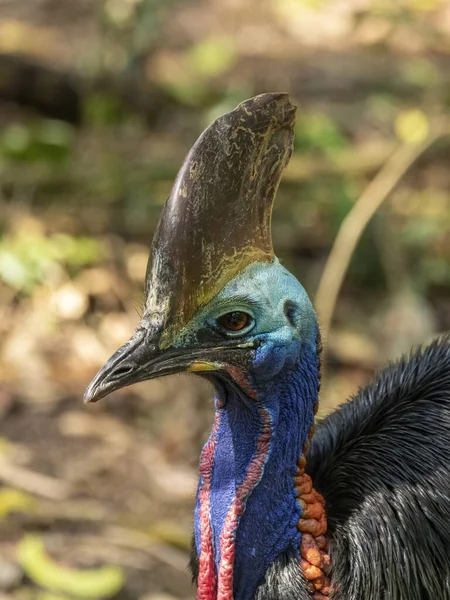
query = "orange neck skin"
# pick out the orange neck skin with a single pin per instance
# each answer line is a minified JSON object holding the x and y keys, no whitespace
{"x":315,"y":560}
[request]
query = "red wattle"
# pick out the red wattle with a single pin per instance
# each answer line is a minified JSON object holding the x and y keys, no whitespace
{"x":207,"y":583}
{"x":228,"y":535}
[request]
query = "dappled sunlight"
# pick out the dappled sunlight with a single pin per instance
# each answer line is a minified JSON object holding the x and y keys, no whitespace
{"x":99,"y":105}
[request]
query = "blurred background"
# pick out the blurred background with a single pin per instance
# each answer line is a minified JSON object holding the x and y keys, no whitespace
{"x":99,"y":102}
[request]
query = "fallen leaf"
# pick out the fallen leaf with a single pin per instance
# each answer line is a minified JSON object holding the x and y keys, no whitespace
{"x":42,"y":570}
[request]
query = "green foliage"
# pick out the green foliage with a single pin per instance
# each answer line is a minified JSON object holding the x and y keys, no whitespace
{"x":228,"y":102}
{"x":425,"y":5}
{"x":435,"y":270}
{"x":188,"y":94}
{"x":316,"y":131}
{"x":48,"y":596}
{"x":102,"y":109}
{"x":425,"y":238}
{"x":40,"y":568}
{"x":189,"y":81}
{"x":134,"y":26}
{"x":411,"y":126}
{"x":41,"y":140}
{"x":422,"y":72}
{"x":13,"y":501}
{"x":213,"y":56}
{"x":28,"y":258}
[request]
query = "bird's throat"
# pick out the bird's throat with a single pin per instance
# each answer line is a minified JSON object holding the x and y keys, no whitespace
{"x":255,"y":501}
{"x":222,"y":500}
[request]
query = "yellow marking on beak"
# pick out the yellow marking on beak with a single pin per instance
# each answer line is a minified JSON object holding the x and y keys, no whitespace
{"x":203,"y":366}
{"x":249,"y":344}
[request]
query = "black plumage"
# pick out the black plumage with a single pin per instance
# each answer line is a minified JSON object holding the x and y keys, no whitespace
{"x":382,"y":463}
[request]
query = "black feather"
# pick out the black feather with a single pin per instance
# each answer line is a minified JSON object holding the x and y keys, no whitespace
{"x":382,"y":463}
{"x":284,"y":580}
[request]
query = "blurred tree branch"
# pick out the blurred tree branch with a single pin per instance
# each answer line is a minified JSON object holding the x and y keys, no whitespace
{"x":60,"y":94}
{"x":356,"y":221}
{"x":58,"y":91}
{"x":33,"y":482}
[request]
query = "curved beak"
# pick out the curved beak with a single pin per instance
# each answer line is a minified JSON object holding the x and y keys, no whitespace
{"x":141,"y":359}
{"x":125,"y":367}
{"x":214,"y":224}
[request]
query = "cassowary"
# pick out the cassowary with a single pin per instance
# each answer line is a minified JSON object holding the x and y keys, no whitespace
{"x":360,"y":511}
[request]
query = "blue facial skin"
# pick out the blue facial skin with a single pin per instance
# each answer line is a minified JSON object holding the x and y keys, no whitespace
{"x":284,"y":375}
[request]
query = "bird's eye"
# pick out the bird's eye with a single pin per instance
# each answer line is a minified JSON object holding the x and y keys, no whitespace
{"x":234,"y":321}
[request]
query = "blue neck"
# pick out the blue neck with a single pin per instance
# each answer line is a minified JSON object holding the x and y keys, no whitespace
{"x":251,"y":502}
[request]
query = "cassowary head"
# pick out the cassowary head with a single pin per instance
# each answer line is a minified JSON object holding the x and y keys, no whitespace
{"x":218,"y":303}
{"x":217,"y":300}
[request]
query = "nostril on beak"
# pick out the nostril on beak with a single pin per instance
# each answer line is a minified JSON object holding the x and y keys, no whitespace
{"x":123,"y":370}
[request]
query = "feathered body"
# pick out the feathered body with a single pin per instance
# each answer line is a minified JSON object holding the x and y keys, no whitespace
{"x":218,"y":303}
{"x":382,"y":463}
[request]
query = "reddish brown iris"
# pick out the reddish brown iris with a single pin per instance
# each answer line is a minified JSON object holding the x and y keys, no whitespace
{"x":234,"y":321}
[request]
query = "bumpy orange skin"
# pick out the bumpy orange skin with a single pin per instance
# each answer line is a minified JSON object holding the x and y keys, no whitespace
{"x":315,"y":561}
